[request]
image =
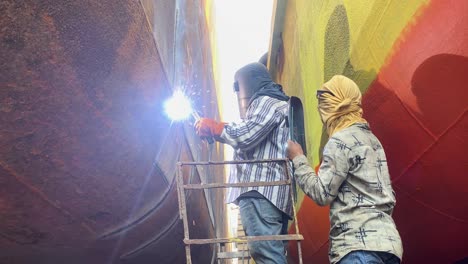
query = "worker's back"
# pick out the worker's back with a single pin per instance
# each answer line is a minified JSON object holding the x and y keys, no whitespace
{"x":360,"y":214}
{"x":269,"y":142}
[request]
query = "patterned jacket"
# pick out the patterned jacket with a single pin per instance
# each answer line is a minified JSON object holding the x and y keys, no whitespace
{"x":354,"y":180}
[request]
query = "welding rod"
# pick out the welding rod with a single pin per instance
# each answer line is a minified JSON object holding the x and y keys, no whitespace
{"x":196,"y":115}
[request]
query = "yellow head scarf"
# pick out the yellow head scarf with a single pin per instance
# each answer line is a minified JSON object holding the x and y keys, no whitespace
{"x":343,"y":108}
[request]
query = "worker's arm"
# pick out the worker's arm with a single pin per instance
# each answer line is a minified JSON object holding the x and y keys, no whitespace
{"x":324,"y":187}
{"x":266,"y":114}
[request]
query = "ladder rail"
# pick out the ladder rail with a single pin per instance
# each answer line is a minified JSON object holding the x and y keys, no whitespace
{"x":183,"y":212}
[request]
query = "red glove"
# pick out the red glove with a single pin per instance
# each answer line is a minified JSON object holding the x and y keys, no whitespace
{"x":206,"y":127}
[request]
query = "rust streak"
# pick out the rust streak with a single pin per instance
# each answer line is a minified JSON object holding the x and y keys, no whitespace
{"x":44,"y":197}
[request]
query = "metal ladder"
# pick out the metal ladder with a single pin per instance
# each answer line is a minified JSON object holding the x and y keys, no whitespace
{"x":220,"y":242}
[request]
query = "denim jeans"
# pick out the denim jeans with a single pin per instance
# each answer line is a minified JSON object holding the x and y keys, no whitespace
{"x":260,"y":218}
{"x":369,"y":257}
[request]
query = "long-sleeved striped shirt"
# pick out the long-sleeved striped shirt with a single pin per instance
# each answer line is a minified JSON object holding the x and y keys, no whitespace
{"x":354,"y":179}
{"x":263,"y":134}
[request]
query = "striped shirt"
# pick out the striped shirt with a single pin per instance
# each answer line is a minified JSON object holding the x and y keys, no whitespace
{"x":263,"y":134}
{"x":354,"y":179}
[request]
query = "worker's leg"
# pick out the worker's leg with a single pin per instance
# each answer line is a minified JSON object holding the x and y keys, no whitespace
{"x":388,"y":258}
{"x":261,"y":218}
{"x":284,"y":231}
{"x":369,"y":257}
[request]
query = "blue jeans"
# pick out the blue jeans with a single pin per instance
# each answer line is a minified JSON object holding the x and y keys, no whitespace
{"x":369,"y":257}
{"x":261,"y":218}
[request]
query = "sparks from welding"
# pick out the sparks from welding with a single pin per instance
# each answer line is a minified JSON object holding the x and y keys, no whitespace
{"x":178,"y":107}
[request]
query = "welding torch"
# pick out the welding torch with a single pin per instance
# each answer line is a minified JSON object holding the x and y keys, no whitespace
{"x":197,"y":117}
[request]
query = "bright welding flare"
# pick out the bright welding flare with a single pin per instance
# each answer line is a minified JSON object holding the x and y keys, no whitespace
{"x":178,"y":107}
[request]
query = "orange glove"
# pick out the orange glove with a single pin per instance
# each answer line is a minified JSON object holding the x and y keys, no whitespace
{"x":206,"y":127}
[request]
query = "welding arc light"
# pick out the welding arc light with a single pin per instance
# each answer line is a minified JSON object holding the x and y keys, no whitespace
{"x":178,"y":107}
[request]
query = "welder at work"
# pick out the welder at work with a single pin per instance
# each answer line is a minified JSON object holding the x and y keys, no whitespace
{"x":262,"y":134}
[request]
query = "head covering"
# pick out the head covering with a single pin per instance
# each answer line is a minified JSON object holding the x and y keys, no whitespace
{"x":343,"y":108}
{"x":257,"y":79}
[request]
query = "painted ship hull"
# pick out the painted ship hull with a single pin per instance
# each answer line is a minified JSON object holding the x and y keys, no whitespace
{"x":410,"y":59}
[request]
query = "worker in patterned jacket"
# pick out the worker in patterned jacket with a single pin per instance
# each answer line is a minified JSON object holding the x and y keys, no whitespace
{"x":353,"y":179}
{"x":262,"y":134}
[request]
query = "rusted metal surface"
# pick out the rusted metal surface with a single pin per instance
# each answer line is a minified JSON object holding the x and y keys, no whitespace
{"x":85,"y":146}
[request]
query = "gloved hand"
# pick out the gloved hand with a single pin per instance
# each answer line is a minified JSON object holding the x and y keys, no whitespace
{"x":206,"y":127}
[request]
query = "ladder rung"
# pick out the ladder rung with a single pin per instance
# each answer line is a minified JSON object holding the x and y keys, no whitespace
{"x":231,"y":255}
{"x":239,"y":184}
{"x":191,"y":163}
{"x":241,"y":239}
{"x":242,"y":246}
